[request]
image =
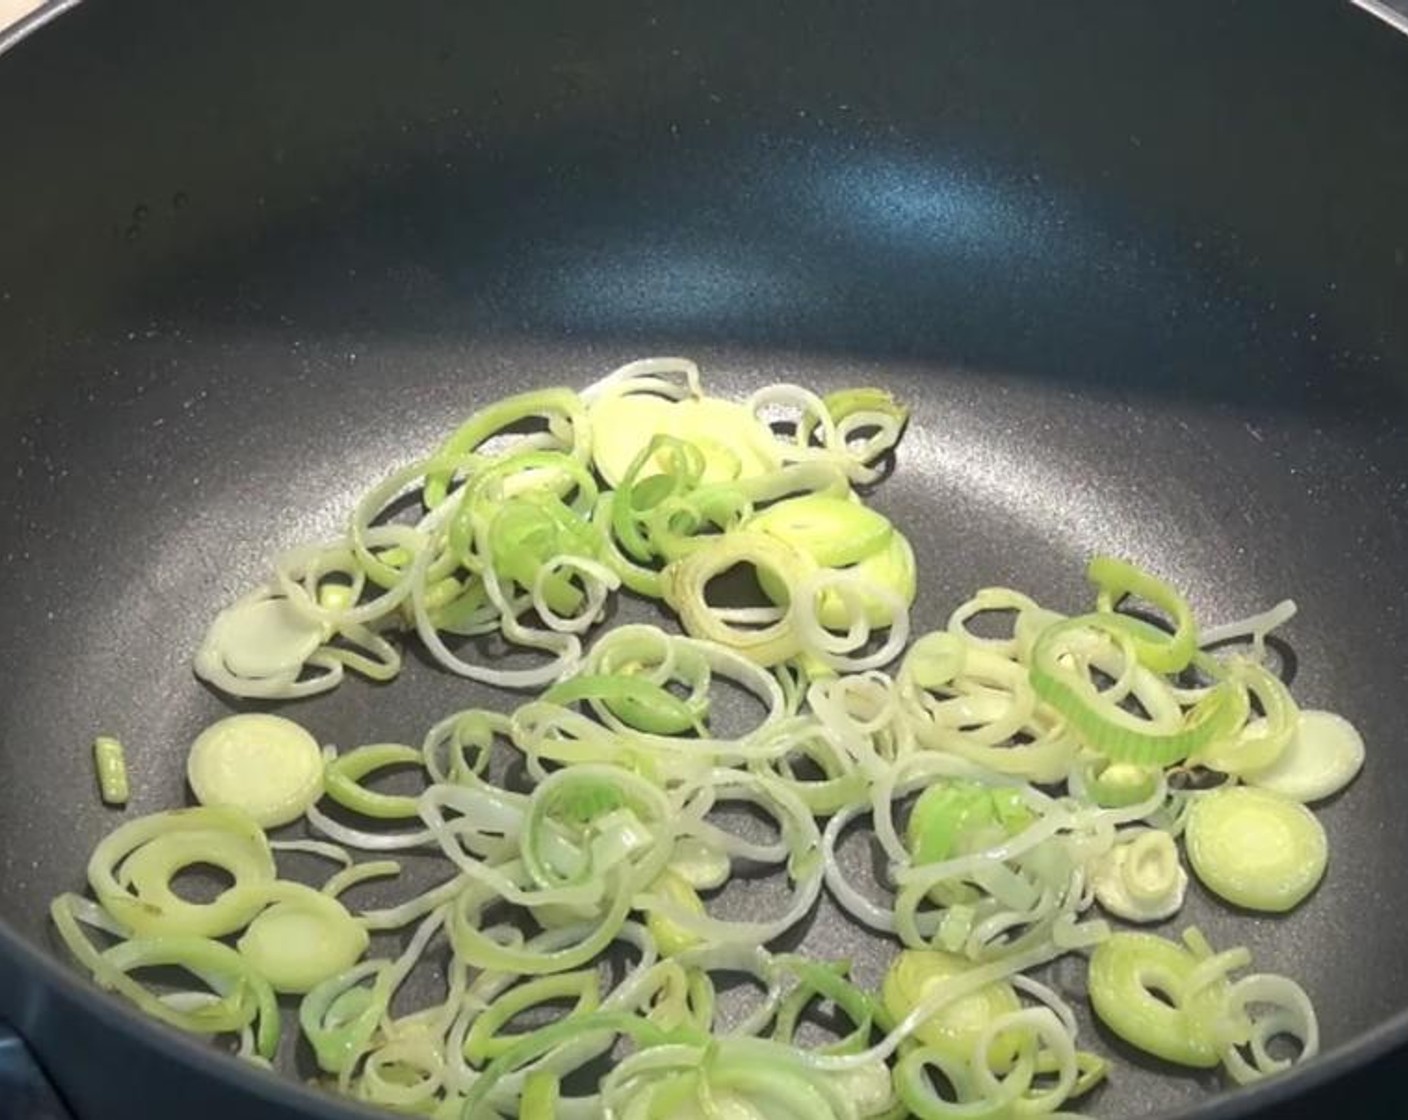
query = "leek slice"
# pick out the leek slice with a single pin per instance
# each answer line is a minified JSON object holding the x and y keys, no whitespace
{"x":733,"y":442}
{"x":954,"y":1029}
{"x":1141,"y":988}
{"x":671,"y":937}
{"x":1035,"y":753}
{"x":541,"y":1093}
{"x":835,"y":532}
{"x":148,"y":852}
{"x":1142,"y":880}
{"x":487,"y":1038}
{"x":687,"y":579}
{"x":342,"y":780}
{"x":1323,"y":755}
{"x":1105,"y":726}
{"x":1255,"y":848}
{"x":303,"y":939}
{"x":1163,"y":654}
{"x":264,"y":765}
{"x":956,"y":817}
{"x":1258,"y":743}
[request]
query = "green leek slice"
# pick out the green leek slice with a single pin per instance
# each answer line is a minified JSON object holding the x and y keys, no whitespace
{"x":1108,"y":728}
{"x":955,"y":817}
{"x":955,"y":1028}
{"x":1255,"y":848}
{"x":1140,"y":988}
{"x":342,"y":780}
{"x":1165,"y":653}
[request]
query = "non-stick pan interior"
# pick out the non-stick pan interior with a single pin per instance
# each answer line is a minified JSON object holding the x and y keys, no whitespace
{"x":1144,"y":284}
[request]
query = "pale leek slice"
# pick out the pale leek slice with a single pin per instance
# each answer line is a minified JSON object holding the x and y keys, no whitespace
{"x":131,"y":870}
{"x":303,"y":939}
{"x":1324,"y":755}
{"x":265,"y":638}
{"x":671,"y":937}
{"x":1142,"y":880}
{"x":733,"y":441}
{"x":834,"y":531}
{"x":267,"y":766}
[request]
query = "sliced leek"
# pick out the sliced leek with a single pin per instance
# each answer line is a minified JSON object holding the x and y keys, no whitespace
{"x":1016,"y":767}
{"x":1323,"y":754}
{"x":264,"y":765}
{"x":1147,"y":990}
{"x":304,"y":938}
{"x":1142,"y":880}
{"x":1255,"y":848}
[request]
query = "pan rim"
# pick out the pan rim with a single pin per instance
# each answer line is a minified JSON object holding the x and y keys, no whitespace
{"x":1229,"y":1104}
{"x":30,"y":22}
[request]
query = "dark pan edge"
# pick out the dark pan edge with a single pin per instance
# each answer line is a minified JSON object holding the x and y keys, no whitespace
{"x":279,"y":1091}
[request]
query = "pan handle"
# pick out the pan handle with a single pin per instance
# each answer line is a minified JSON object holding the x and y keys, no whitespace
{"x":23,"y":1086}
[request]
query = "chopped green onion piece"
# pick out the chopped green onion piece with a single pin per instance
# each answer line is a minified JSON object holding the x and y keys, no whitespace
{"x":111,"y":763}
{"x":266,"y":766}
{"x":1255,"y":848}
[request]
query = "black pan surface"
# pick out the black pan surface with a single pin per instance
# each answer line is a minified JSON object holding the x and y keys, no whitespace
{"x":1142,"y":269}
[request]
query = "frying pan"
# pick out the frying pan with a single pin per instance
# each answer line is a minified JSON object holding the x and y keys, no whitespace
{"x":1142,"y":270}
